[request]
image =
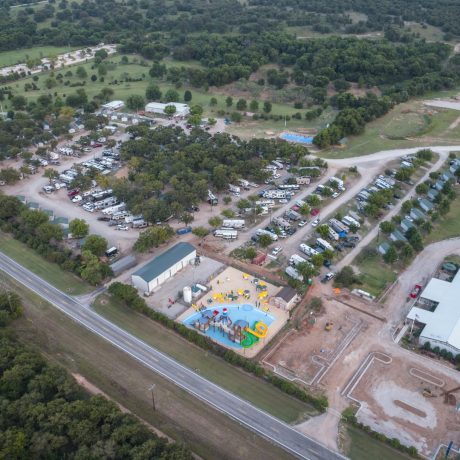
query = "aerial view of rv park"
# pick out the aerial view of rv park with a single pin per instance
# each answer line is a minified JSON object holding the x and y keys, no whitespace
{"x":229,"y":229}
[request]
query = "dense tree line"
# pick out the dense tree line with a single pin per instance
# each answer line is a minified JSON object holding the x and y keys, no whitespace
{"x":170,"y":170}
{"x":45,"y":414}
{"x":33,"y":228}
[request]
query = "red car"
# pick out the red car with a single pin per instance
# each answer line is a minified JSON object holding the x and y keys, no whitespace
{"x":314,"y":212}
{"x":416,"y":291}
{"x":73,"y":192}
{"x":96,"y":145}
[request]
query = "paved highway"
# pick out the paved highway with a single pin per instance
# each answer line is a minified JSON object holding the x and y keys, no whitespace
{"x":255,"y":419}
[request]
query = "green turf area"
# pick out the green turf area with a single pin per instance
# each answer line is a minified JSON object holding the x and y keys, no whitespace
{"x":50,"y":272}
{"x":363,"y":447}
{"x":411,"y":124}
{"x":207,"y":432}
{"x":447,"y":226}
{"x":375,"y":274}
{"x":8,"y":58}
{"x":429,"y":33}
{"x":253,"y":389}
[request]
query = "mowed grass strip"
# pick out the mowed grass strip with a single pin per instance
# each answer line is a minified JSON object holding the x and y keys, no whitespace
{"x":8,"y":58}
{"x":50,"y":272}
{"x":375,"y":274}
{"x":205,"y":431}
{"x":447,"y":226}
{"x":362,"y":447}
{"x":255,"y":390}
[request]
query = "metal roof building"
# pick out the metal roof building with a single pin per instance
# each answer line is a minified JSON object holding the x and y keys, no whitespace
{"x":182,"y":110}
{"x":442,"y":325}
{"x":166,"y":265}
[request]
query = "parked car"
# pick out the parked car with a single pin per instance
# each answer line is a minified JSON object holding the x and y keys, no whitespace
{"x":302,"y":223}
{"x":315,"y":222}
{"x":77,"y":198}
{"x":72,"y":193}
{"x":97,"y":145}
{"x":123,"y":227}
{"x":276,"y":250}
{"x":314,"y":212}
{"x":104,"y":218}
{"x":348,"y":244}
{"x":416,"y":291}
{"x":291,"y":230}
{"x":327,"y":277}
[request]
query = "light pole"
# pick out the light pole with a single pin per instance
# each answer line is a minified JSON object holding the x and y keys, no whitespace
{"x":153,"y":396}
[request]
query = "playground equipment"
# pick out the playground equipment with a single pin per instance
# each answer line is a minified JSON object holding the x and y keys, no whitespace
{"x":260,"y":329}
{"x":329,"y":326}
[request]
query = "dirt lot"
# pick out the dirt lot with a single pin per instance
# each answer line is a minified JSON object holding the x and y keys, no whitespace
{"x":392,"y":402}
{"x":308,"y":352}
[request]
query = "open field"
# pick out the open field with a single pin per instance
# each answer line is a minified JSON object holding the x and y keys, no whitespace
{"x":184,"y":418}
{"x":50,"y":272}
{"x":429,"y":33}
{"x":255,"y":390}
{"x":376,"y":275}
{"x":360,"y":446}
{"x":447,"y":226}
{"x":407,"y":125}
{"x":8,"y":58}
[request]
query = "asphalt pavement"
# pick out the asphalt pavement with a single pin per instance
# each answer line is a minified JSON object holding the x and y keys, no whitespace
{"x":222,"y":400}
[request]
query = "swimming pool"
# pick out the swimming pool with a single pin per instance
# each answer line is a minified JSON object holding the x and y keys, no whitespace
{"x":297,"y":138}
{"x":235,"y":313}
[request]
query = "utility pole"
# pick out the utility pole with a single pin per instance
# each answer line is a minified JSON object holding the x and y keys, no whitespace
{"x":152,"y":388}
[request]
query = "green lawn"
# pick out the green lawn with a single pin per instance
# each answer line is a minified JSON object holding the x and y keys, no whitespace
{"x":448,"y":226}
{"x":50,"y":272}
{"x":375,"y":274}
{"x":8,"y":58}
{"x":255,"y":390}
{"x":422,"y":126}
{"x":363,"y":447}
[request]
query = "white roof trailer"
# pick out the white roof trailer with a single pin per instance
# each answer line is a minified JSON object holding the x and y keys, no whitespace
{"x":226,"y":234}
{"x":233,"y":223}
{"x":324,"y":244}
{"x":295,"y":260}
{"x":293,"y":273}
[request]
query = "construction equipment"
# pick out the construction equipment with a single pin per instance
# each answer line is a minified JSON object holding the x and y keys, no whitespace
{"x":328,"y":326}
{"x":428,"y":393}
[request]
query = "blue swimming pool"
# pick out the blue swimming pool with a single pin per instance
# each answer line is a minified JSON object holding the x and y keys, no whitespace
{"x":238,"y":314}
{"x":297,"y":138}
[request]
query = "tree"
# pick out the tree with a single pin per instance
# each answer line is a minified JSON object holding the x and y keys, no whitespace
{"x":323,"y":231}
{"x":241,"y":105}
{"x":153,"y":93}
{"x":187,"y":95}
{"x":135,"y":102}
{"x":215,"y":221}
{"x":18,"y":102}
{"x":391,"y":256}
{"x":153,"y":237}
{"x":228,"y":101}
{"x":421,"y":189}
{"x":213,"y":102}
{"x":95,"y":244}
{"x":265,"y":240}
{"x":313,"y":200}
{"x":406,"y":252}
{"x":250,"y":253}
{"x":195,"y":120}
{"x":78,"y":228}
{"x":187,"y":218}
{"x":254,"y":106}
{"x":267,"y":107}
{"x":346,"y":277}
{"x":9,"y":175}
{"x":81,"y":72}
{"x":170,"y":110}
{"x":227,"y":200}
{"x":406,"y":206}
{"x":171,"y":96}
{"x":200,"y":232}
{"x":414,"y":238}
{"x":305,"y":210}
{"x":306,"y":269}
{"x":317,"y":260}
{"x":92,"y":270}
{"x":387,"y":227}
{"x":236,"y":117}
{"x":196,"y":110}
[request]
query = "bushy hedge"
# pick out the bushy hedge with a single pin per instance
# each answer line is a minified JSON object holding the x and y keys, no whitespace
{"x":349,"y":416}
{"x":129,"y":296}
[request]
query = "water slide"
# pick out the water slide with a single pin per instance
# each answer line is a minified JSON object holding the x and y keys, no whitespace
{"x":259,"y":330}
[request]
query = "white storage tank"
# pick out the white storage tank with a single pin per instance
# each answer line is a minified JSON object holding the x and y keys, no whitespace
{"x":187,"y":292}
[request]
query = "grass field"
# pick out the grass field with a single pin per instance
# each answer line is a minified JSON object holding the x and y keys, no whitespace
{"x":48,"y":271}
{"x":375,"y":274}
{"x":255,"y":390}
{"x":407,"y":125}
{"x":448,"y":226}
{"x":362,"y":447}
{"x":207,"y":432}
{"x":8,"y":58}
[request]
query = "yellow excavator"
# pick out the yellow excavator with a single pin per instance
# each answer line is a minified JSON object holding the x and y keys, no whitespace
{"x":449,"y":397}
{"x":329,"y":326}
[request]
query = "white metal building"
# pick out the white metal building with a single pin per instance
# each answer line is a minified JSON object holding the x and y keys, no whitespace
{"x":442,"y":325}
{"x":166,"y":265}
{"x":114,"y":105}
{"x":182,"y":110}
